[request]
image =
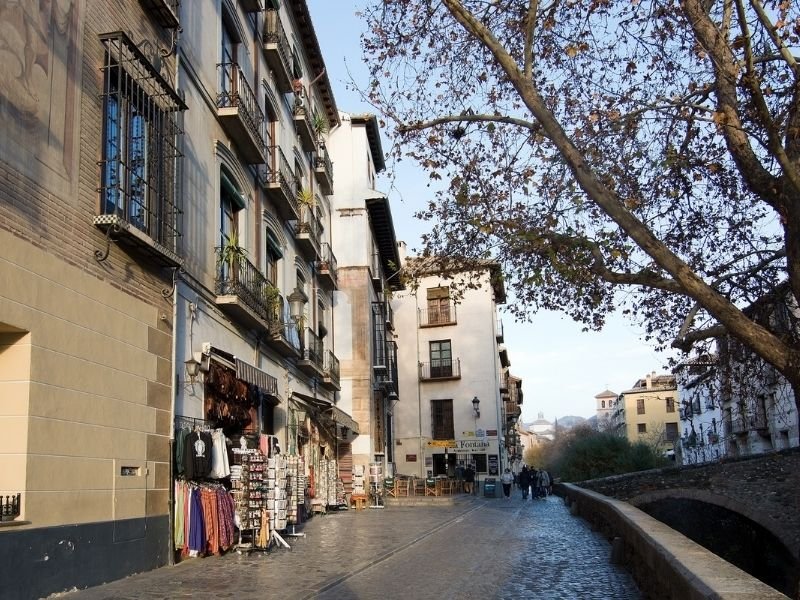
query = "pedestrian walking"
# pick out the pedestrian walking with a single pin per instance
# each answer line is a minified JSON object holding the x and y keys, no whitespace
{"x":524,"y":481}
{"x":469,"y":478}
{"x":543,"y":484}
{"x":507,"y":479}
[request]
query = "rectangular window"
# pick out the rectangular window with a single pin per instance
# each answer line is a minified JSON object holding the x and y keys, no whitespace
{"x":441,"y":359}
{"x":671,"y":431}
{"x":139,"y":151}
{"x":641,"y":428}
{"x":670,"y":405}
{"x":640,"y":406}
{"x":442,"y":420}
{"x":438,"y":305}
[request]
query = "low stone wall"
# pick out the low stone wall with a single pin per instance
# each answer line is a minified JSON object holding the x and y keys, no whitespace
{"x":665,"y":564}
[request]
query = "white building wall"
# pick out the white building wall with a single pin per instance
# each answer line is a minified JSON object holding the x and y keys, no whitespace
{"x":474,"y":345}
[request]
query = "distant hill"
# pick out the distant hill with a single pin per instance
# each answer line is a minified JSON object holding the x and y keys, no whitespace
{"x":569,"y":422}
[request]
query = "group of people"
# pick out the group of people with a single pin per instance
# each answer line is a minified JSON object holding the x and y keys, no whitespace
{"x":535,"y":482}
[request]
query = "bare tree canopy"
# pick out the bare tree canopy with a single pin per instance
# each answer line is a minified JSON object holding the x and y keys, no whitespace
{"x":631,"y":155}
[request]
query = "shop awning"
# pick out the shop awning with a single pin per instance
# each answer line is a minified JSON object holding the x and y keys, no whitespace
{"x":328,"y":413}
{"x":248,"y":373}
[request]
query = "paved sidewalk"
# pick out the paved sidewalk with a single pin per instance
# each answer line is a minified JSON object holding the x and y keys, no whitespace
{"x":475,"y":548}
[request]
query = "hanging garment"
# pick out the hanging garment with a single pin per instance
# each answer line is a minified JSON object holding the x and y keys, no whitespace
{"x":197,"y":532}
{"x":226,"y":510}
{"x":197,"y":455}
{"x":208,"y":499}
{"x":180,"y":513}
{"x":180,"y":439}
{"x":220,"y":468}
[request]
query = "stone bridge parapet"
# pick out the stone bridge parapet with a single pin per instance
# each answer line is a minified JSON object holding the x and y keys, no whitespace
{"x":763,"y":488}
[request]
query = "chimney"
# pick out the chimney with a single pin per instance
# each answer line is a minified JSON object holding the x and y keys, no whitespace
{"x":649,"y":380}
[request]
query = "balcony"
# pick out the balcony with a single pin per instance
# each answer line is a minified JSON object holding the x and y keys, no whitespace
{"x":239,"y":113}
{"x":244,"y":294}
{"x":323,"y":169}
{"x":440,"y":370}
{"x":330,"y":377}
{"x":326,"y":266}
{"x":283,"y":335}
{"x":512,"y":410}
{"x":437,"y":317}
{"x":251,"y":5}
{"x":308,"y":230}
{"x":165,"y":12}
{"x":280,"y":184}
{"x":277,"y":51}
{"x":312,"y":355}
{"x":499,"y":336}
{"x":301,"y":113}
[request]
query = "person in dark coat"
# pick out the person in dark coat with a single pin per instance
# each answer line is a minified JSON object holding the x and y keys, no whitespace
{"x":525,"y":481}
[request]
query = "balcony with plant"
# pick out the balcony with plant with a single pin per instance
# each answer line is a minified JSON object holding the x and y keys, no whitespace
{"x":242,"y":291}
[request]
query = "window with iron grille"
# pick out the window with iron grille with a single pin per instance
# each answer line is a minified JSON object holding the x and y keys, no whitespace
{"x":442,"y":420}
{"x":140,"y":142}
{"x":670,"y":405}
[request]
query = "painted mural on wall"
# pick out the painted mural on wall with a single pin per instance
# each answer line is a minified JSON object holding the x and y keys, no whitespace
{"x":39,"y":83}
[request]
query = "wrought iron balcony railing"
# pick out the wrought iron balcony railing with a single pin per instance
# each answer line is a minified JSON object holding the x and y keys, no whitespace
{"x":278,"y":50}
{"x":331,"y":367}
{"x":324,"y":170}
{"x":313,"y":350}
{"x":440,"y":369}
{"x":240,"y":112}
{"x":432,"y":317}
{"x":327,"y":265}
{"x":280,"y":183}
{"x":241,"y":279}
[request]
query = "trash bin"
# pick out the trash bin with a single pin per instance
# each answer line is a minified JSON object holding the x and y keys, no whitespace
{"x":489,"y":487}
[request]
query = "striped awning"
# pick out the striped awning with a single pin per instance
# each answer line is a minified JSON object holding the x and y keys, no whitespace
{"x":250,"y":374}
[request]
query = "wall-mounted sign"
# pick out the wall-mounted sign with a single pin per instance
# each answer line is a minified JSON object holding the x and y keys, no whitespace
{"x":491,"y":433}
{"x":493,"y":464}
{"x":471,"y":445}
{"x":441,"y":443}
{"x":411,"y":458}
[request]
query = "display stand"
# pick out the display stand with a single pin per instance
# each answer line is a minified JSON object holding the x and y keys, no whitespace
{"x":376,"y":484}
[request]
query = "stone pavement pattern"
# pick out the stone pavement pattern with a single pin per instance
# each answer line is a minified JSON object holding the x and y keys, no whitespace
{"x":477,"y":548}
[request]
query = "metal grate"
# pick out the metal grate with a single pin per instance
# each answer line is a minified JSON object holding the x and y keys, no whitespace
{"x":140,"y":140}
{"x":10,"y":506}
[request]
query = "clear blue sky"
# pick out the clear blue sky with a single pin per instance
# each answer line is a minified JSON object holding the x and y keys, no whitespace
{"x":562,"y":368}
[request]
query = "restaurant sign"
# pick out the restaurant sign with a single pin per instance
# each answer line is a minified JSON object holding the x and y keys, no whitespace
{"x":478,"y":445}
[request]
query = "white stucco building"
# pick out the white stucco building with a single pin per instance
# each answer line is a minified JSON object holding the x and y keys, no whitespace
{"x":451,"y":367}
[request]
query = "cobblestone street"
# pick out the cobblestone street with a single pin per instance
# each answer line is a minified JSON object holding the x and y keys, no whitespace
{"x":477,"y":548}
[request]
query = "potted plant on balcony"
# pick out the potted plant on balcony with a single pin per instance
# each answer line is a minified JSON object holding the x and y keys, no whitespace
{"x":230,"y":256}
{"x":320,"y":124}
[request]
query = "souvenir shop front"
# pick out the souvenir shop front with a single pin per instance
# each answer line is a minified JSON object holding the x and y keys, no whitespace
{"x":233,"y":487}
{"x":319,"y":435}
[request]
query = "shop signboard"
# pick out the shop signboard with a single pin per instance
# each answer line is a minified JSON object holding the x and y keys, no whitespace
{"x":493,"y":465}
{"x":467,"y":446}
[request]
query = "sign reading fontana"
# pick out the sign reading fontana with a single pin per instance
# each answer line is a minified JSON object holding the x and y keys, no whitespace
{"x":472,"y":445}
